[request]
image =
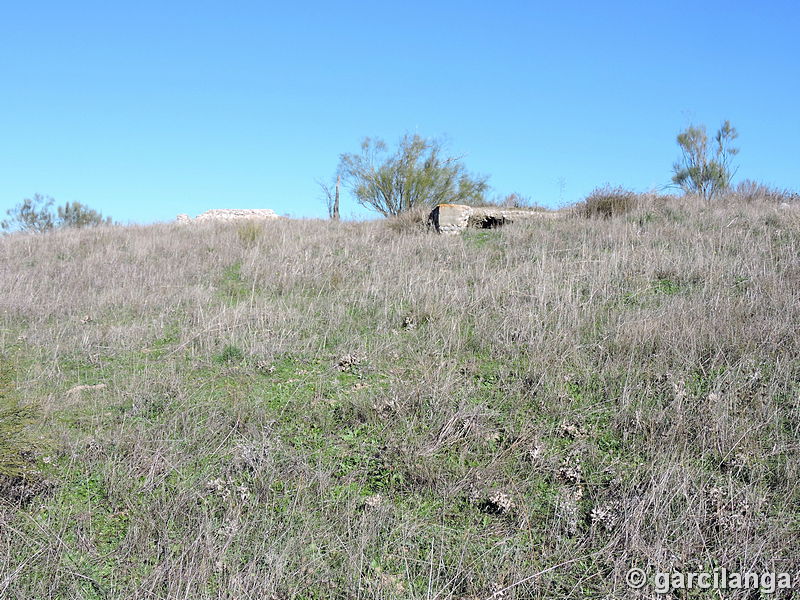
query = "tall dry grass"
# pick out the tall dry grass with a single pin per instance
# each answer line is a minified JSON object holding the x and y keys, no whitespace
{"x":328,"y":409}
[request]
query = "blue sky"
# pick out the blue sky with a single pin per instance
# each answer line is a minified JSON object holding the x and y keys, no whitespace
{"x":148,"y":109}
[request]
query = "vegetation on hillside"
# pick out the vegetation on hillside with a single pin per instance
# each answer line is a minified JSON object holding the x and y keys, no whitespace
{"x":705,"y":167}
{"x":310,"y":409}
{"x":36,"y":214}
{"x":418,"y":173}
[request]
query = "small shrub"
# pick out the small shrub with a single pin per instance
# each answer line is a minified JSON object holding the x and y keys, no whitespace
{"x":230,"y":354}
{"x":513,"y":201}
{"x":607,"y":202}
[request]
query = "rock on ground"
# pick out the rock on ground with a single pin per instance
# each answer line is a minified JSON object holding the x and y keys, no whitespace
{"x":230,"y":214}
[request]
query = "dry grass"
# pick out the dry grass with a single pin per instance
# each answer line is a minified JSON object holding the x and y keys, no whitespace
{"x":316,"y":409}
{"x":410,"y":221}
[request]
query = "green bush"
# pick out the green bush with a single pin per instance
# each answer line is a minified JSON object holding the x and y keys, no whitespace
{"x":32,"y":214}
{"x":418,"y":172}
{"x":705,"y":168}
{"x":75,"y":214}
{"x":230,"y":354}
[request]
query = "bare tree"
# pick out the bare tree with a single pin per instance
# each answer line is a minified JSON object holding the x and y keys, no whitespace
{"x":330,"y":193}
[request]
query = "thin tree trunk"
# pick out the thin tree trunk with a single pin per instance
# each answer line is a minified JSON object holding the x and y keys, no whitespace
{"x":335,"y":212}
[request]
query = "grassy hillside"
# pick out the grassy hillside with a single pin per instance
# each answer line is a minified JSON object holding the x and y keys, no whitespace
{"x":309,"y":409}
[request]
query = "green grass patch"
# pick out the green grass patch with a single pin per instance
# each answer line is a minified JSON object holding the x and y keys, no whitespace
{"x":232,"y":288}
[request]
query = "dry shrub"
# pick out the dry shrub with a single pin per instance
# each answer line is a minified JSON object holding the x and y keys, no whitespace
{"x":409,"y":221}
{"x":753,"y":191}
{"x":607,"y":202}
{"x":249,"y":232}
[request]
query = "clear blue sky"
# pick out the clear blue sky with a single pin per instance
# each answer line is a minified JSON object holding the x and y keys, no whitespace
{"x":148,"y":109}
